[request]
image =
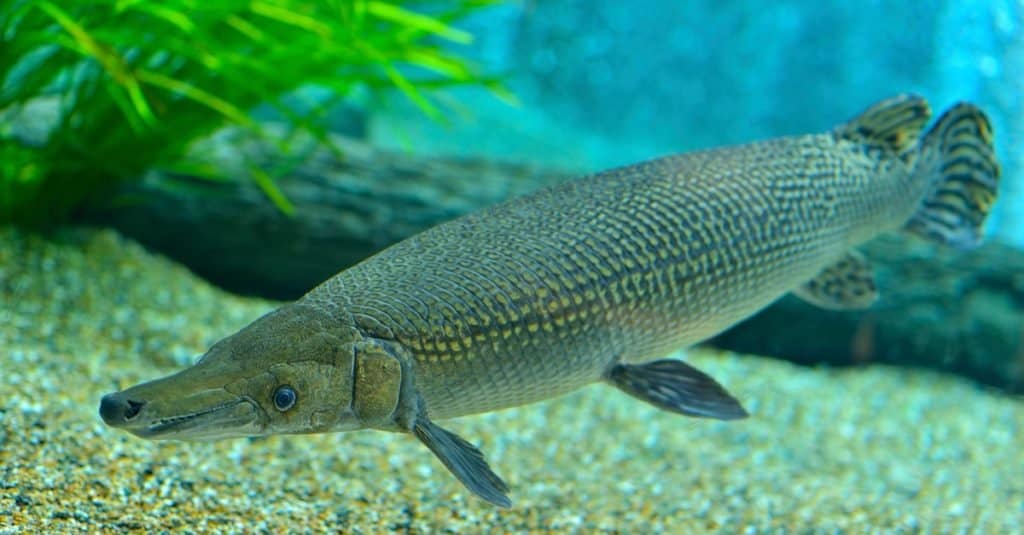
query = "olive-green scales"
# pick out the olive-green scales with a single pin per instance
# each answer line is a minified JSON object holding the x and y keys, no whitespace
{"x":592,"y":280}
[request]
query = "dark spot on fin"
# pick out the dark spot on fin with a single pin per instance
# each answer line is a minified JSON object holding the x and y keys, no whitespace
{"x":847,"y":284}
{"x":893,"y":125}
{"x":464,"y":461}
{"x":957,"y":156}
{"x":675,"y":386}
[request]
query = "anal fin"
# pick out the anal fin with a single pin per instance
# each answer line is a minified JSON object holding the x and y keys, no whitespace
{"x":675,"y":386}
{"x":463,"y":460}
{"x":846,"y":284}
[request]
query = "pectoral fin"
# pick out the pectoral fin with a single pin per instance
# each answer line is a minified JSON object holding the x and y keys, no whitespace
{"x":675,"y":386}
{"x":463,"y":460}
{"x":847,"y":284}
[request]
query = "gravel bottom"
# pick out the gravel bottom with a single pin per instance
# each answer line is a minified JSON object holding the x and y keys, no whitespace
{"x":84,"y":313}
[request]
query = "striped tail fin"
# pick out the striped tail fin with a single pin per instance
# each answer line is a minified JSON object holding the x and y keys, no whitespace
{"x":958,"y":155}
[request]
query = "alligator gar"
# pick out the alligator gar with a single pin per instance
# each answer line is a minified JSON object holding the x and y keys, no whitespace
{"x":593,"y":280}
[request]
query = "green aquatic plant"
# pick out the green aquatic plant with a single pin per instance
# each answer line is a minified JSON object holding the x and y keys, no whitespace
{"x":95,"y":92}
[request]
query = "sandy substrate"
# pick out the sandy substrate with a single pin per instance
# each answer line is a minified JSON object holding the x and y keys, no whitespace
{"x":849,"y":451}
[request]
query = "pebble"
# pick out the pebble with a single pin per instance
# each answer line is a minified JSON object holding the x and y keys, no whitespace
{"x":875,"y":449}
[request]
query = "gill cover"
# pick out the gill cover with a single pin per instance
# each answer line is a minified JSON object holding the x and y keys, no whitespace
{"x":377,"y":383}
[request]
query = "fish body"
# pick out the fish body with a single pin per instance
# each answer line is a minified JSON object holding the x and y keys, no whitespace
{"x":588,"y":281}
{"x":537,"y":297}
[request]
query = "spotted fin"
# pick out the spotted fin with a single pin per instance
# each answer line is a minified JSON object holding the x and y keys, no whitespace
{"x":957,"y":155}
{"x":675,"y":386}
{"x":846,"y":284}
{"x":893,"y":125}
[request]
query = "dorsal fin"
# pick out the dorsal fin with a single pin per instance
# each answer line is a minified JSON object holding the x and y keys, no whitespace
{"x":893,"y":125}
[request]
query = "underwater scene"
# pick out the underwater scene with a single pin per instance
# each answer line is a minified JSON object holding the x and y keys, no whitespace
{"x":511,"y":266}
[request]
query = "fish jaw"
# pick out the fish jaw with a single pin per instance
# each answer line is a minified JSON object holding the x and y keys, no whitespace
{"x":162,"y":410}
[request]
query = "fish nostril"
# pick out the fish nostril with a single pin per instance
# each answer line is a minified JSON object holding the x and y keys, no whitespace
{"x":111,"y":408}
{"x":133,"y":409}
{"x":115,"y":409}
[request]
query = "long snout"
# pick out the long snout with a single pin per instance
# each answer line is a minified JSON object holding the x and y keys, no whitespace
{"x":193,"y":404}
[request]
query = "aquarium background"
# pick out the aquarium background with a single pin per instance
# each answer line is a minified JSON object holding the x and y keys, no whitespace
{"x":604,"y":83}
{"x":906,"y":418}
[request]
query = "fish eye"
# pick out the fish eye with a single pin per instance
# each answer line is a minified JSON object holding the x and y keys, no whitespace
{"x":284,"y":398}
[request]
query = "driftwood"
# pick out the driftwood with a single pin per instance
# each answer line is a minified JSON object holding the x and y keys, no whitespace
{"x":346,"y":208}
{"x":961,"y":312}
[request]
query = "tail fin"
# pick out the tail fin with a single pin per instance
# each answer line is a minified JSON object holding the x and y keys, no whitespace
{"x":958,"y":157}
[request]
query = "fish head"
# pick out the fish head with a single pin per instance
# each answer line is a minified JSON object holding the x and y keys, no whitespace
{"x":291,"y":371}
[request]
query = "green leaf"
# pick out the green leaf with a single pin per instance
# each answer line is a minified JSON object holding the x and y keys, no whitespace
{"x":271,"y":190}
{"x":286,"y":16}
{"x":396,"y":14}
{"x":450,"y":67}
{"x":175,"y":18}
{"x":138,"y":82}
{"x":209,"y":100}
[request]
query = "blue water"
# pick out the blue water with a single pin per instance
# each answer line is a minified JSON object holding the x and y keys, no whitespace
{"x":606,"y":82}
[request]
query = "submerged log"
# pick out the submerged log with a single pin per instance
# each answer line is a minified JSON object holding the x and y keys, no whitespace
{"x":959,"y":312}
{"x":348,"y":204}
